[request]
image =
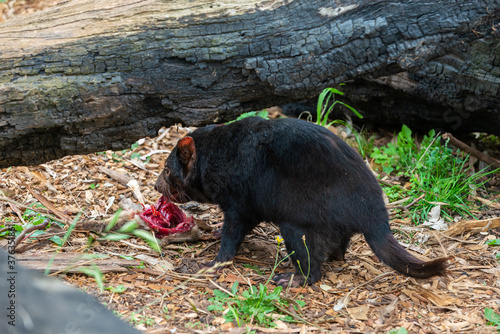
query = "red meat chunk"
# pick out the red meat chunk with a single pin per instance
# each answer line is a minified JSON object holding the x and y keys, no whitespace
{"x":165,"y":218}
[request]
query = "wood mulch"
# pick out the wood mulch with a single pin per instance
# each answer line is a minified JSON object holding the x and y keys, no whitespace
{"x":360,"y":295}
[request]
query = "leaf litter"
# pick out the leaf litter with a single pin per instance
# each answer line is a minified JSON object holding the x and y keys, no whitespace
{"x":164,"y":291}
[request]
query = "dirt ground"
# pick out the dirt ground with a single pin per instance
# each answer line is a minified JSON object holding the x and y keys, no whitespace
{"x":360,"y":295}
{"x":375,"y":298}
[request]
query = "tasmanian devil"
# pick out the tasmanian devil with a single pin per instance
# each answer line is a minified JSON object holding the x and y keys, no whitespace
{"x":297,"y":175}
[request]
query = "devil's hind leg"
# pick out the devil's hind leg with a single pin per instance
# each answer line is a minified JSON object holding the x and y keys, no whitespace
{"x":306,"y":257}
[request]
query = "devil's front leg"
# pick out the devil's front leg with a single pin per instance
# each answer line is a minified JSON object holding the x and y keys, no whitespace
{"x":237,"y":224}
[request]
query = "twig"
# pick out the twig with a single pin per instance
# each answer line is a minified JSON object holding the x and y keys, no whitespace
{"x":18,"y":213}
{"x":134,"y":246}
{"x":295,"y":316}
{"x":415,"y":201}
{"x":81,"y":264}
{"x":440,"y":243}
{"x":207,"y":247}
{"x":404,"y":207}
{"x":45,"y":202}
{"x":139,"y":166}
{"x":4,"y":229}
{"x":425,"y":152}
{"x":117,"y":176}
{"x":387,"y":183}
{"x":30,"y":229}
{"x":143,"y":157}
{"x":456,"y":239}
{"x":222,"y":289}
{"x":472,"y":151}
{"x":78,"y":205}
{"x":395,"y":204}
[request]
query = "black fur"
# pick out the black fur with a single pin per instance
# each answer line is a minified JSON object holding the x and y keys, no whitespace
{"x":293,"y":173}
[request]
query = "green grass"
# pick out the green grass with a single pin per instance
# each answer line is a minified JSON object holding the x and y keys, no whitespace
{"x":434,"y":170}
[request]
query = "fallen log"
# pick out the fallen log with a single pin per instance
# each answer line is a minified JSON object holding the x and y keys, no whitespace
{"x":89,"y":76}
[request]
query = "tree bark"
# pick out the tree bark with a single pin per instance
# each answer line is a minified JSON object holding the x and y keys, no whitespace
{"x":87,"y":76}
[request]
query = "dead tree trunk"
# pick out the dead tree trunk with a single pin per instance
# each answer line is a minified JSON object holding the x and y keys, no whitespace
{"x":92,"y":75}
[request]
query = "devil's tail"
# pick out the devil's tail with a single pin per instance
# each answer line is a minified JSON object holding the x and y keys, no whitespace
{"x":389,"y":251}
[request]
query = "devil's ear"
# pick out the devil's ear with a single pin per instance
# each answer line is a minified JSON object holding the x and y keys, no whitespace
{"x":187,"y":152}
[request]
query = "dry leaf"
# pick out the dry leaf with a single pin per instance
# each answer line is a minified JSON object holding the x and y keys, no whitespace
{"x":218,"y":321}
{"x":231,"y":278}
{"x":434,"y":220}
{"x":372,"y":269}
{"x":88,"y":195}
{"x":359,"y":313}
{"x":227,"y":326}
{"x":48,"y":204}
{"x":156,"y":262}
{"x":325,"y":287}
{"x":438,"y":299}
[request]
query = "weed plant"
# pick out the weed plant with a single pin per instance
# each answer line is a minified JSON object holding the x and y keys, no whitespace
{"x":493,"y":318}
{"x":324,"y":108}
{"x":31,"y":218}
{"x":255,"y":305}
{"x":434,"y":170}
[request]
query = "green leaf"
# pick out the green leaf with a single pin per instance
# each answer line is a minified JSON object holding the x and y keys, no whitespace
{"x":494,"y":242}
{"x":220,"y":295}
{"x":149,"y":238}
{"x":118,"y":289}
{"x":214,"y":307}
{"x":406,"y":133}
{"x":334,"y":91}
{"x":57,"y":240}
{"x":38,"y":219}
{"x":301,"y":303}
{"x":263,"y":114}
{"x":95,"y":273}
{"x":128,"y":227}
{"x":135,"y":155}
{"x":234,"y":288}
{"x":113,"y":220}
{"x":352,"y":109}
{"x":400,"y":330}
{"x":388,"y":170}
{"x":492,"y":317}
{"x":116,"y":236}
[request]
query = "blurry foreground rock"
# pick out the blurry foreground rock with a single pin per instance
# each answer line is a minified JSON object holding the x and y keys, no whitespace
{"x":34,"y":303}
